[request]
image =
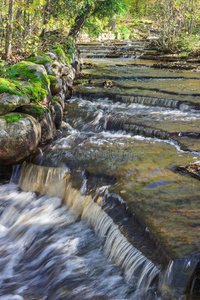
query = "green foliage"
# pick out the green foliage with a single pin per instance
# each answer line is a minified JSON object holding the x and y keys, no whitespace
{"x":93,"y":26}
{"x":124,"y":32}
{"x":12,"y":118}
{"x":108,"y":8}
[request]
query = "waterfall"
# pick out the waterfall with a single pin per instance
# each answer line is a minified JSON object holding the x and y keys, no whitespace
{"x":138,"y":270}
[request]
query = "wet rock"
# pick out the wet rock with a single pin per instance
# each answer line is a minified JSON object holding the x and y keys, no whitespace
{"x":9,"y":102}
{"x":192,"y":169}
{"x":58,"y":114}
{"x":47,"y":125}
{"x":19,"y":136}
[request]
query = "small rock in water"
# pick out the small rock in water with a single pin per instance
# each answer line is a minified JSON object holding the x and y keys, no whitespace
{"x":107,"y":83}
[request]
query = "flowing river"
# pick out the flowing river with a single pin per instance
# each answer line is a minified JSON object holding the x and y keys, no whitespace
{"x":101,"y":212}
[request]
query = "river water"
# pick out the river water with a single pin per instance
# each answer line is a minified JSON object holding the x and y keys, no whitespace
{"x":120,"y":142}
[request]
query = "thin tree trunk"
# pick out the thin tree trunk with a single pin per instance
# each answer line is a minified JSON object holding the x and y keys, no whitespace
{"x":79,"y":22}
{"x":47,"y":12}
{"x":9,"y":29}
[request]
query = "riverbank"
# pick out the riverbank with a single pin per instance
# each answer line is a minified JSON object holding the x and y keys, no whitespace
{"x":33,"y":95}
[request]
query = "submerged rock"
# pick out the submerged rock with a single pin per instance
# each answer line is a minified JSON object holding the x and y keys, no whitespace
{"x":19,"y":136}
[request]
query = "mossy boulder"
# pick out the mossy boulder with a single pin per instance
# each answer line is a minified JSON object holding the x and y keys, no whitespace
{"x":9,"y":102}
{"x":35,"y":110}
{"x":60,"y":54}
{"x":45,"y":116}
{"x":27,"y":79}
{"x":55,"y":85}
{"x":19,"y":136}
{"x":57,"y":69}
{"x":54,"y":69}
{"x":40,"y":59}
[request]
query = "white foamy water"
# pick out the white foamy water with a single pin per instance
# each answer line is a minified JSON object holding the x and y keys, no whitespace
{"x":47,"y":253}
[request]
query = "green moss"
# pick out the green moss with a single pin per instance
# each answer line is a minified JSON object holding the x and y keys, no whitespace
{"x":36,"y":90}
{"x":46,"y":56}
{"x":58,"y":50}
{"x":55,"y":100}
{"x":35,"y":110}
{"x":39,"y":109}
{"x":40,"y":61}
{"x":4,"y":89}
{"x":32,"y":59}
{"x":52,"y":79}
{"x":11,"y":87}
{"x":12,"y":118}
{"x":26,"y":69}
{"x":68,"y":58}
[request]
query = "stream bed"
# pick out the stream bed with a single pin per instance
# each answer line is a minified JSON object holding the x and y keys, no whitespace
{"x":125,"y":129}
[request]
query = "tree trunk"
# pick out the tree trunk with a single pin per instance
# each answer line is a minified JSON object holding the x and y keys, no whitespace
{"x":79,"y":22}
{"x":1,"y":31}
{"x":47,"y":12}
{"x":9,"y":29}
{"x":112,"y":23}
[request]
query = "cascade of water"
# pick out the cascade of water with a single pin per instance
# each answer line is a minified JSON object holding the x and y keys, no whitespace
{"x":46,"y":253}
{"x":117,"y":248}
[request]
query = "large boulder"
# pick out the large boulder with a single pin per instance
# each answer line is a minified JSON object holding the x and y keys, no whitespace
{"x":9,"y":102}
{"x":19,"y":136}
{"x":36,"y":75}
{"x":45,"y":116}
{"x":54,"y":69}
